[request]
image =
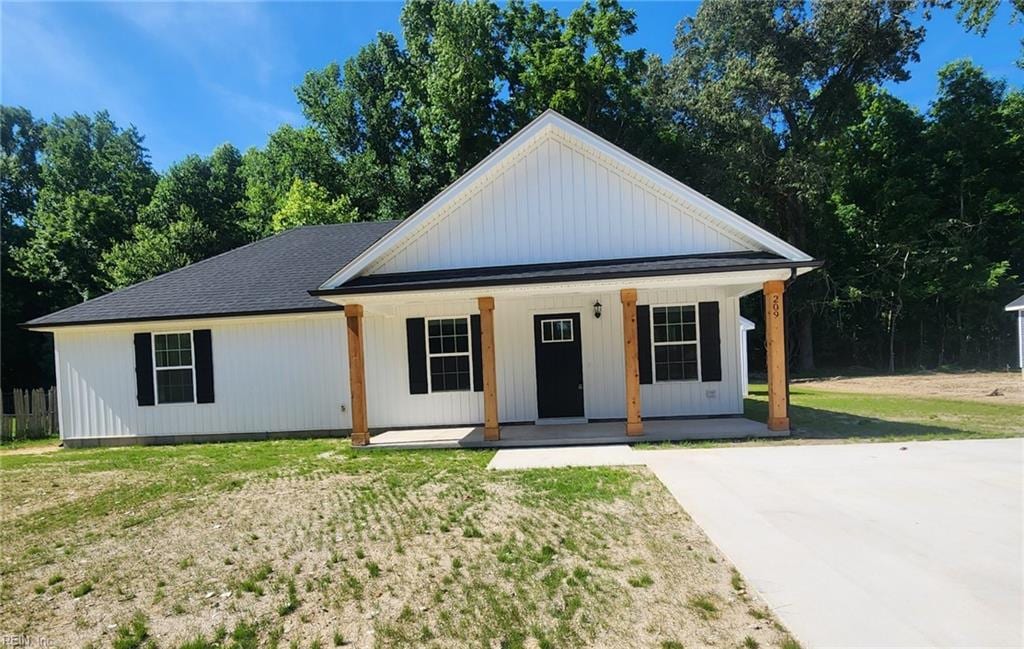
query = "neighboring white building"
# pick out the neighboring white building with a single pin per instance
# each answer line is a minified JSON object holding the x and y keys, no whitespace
{"x":1018,"y":306}
{"x":560,"y":278}
{"x":746,"y":326}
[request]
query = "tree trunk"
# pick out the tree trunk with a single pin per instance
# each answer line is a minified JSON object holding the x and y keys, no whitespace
{"x":920,"y":343}
{"x":894,"y":313}
{"x":805,"y":341}
{"x":892,"y":341}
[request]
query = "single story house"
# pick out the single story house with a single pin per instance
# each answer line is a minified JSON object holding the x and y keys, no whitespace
{"x":561,"y":279}
{"x":1018,"y":306}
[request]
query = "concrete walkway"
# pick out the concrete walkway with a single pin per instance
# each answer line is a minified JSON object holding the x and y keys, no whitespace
{"x":914,"y":544}
{"x":546,"y":458}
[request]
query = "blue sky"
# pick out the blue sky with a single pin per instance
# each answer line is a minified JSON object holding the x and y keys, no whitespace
{"x":191,"y":76}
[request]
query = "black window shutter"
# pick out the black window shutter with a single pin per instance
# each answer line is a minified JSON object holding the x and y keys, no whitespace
{"x":478,"y":353}
{"x":416,"y":340}
{"x":203,"y":343}
{"x":710,"y":342}
{"x":643,"y":342}
{"x":144,"y":369}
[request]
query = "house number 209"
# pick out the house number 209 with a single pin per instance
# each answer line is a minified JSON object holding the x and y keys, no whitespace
{"x":776,"y":306}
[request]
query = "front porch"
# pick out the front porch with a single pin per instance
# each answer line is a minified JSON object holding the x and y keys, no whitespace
{"x":603,"y":365}
{"x":584,"y":434}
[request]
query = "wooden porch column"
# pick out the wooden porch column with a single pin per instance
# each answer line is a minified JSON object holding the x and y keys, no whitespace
{"x":357,"y":374}
{"x":491,"y":430}
{"x":634,"y":426}
{"x":775,"y":339}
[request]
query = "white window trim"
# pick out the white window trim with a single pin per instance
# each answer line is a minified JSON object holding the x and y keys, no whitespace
{"x":468,"y":353}
{"x":572,"y":331}
{"x":695,"y":341}
{"x":156,"y":385}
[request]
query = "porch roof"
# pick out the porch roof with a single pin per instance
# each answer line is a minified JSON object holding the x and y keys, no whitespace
{"x":565,"y":272}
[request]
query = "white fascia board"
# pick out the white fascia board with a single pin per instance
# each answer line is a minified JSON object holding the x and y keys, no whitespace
{"x":189,"y":323}
{"x":552,"y":119}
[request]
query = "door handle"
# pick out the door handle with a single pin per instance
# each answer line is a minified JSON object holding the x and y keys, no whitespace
{"x":580,"y":386}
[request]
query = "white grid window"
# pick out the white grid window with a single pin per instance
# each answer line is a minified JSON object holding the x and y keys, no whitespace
{"x":674,"y":334}
{"x":556,"y":331}
{"x":174,"y":367}
{"x":448,"y":352}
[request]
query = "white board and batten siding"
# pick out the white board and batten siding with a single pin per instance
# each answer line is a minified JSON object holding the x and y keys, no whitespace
{"x":389,"y":403}
{"x":291,"y":374}
{"x":555,"y":201}
{"x":270,"y":375}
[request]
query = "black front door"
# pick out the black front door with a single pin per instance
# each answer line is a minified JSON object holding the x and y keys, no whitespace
{"x":556,"y":340}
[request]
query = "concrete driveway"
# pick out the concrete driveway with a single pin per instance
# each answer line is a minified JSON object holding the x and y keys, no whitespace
{"x":869,"y":545}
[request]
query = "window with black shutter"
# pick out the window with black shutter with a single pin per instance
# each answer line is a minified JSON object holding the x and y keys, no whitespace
{"x":676,"y":343}
{"x":448,"y":354}
{"x":174,"y":367}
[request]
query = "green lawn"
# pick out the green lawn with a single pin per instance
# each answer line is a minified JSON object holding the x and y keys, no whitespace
{"x":307,"y":543}
{"x":29,"y":443}
{"x":861,"y":417}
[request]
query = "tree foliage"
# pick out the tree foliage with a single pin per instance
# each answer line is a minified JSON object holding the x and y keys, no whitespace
{"x":773,"y":108}
{"x":770,"y":82}
{"x":307,"y":203}
{"x":977,"y":16}
{"x":95,"y":178}
{"x":197,"y":211}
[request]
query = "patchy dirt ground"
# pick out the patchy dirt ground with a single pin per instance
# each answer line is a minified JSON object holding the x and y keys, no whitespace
{"x":34,"y":448}
{"x":989,"y":387}
{"x":306,"y":543}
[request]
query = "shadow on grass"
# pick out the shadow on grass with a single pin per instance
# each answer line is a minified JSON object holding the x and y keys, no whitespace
{"x":826,"y":415}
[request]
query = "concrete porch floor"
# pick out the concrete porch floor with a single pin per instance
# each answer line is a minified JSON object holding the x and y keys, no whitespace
{"x":513,"y":436}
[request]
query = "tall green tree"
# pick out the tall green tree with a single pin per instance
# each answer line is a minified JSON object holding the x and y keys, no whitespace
{"x":307,"y":203}
{"x":25,"y":356}
{"x":405,"y":122}
{"x":21,"y":143}
{"x":578,"y":66}
{"x":197,"y":211}
{"x":95,"y":179}
{"x":978,"y":177}
{"x":290,"y":155}
{"x":363,"y":113}
{"x":772,"y":81}
{"x":456,"y":52}
{"x":977,"y":16}
{"x":884,"y":203}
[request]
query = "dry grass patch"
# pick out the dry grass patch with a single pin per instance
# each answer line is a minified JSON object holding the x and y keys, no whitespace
{"x":307,"y":543}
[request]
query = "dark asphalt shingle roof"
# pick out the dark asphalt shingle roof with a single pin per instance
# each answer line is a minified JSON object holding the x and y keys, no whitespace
{"x":566,"y":271}
{"x":273,"y":275}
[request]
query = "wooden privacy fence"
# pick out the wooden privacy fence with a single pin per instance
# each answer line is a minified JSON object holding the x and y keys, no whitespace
{"x":34,"y":417}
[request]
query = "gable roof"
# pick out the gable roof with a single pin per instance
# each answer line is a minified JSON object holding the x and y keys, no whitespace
{"x":1016,"y":305}
{"x":273,"y":275}
{"x":547,"y":122}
